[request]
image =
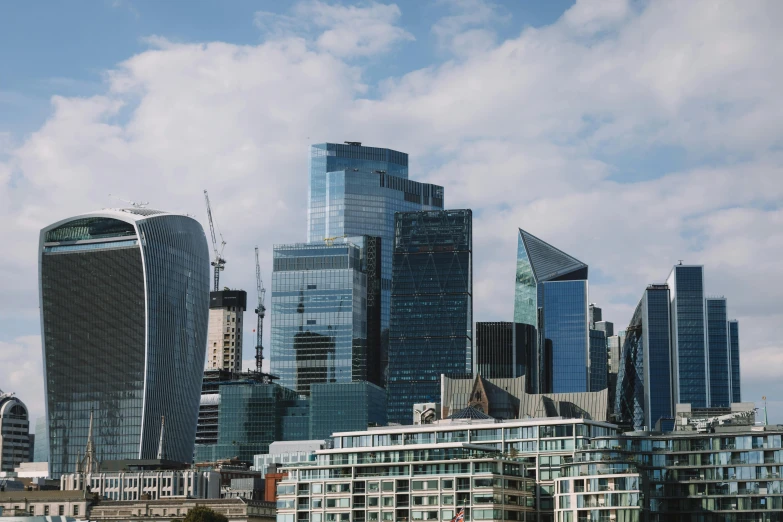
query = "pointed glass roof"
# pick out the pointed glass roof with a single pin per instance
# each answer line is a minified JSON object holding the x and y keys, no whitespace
{"x":548,"y":262}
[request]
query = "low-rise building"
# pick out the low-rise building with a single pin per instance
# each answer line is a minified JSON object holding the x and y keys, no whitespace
{"x":166,"y":510}
{"x":46,"y":503}
{"x":152,"y":484}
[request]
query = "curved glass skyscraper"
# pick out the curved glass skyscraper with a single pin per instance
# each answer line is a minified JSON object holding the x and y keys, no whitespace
{"x":124,"y":298}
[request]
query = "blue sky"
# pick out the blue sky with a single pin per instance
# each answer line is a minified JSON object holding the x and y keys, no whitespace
{"x":628,"y":133}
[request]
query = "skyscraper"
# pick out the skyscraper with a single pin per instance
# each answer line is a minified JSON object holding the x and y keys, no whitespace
{"x":644,"y":381}
{"x":502,"y":348}
{"x":595,"y":315}
{"x":551,"y":294}
{"x":689,"y":339}
{"x":599,"y":362}
{"x":224,"y":334}
{"x":14,"y":432}
{"x":124,"y":304}
{"x":432,"y":306}
{"x":736,"y":395}
{"x":355,"y":191}
{"x":719,"y":352}
{"x":319,"y":314}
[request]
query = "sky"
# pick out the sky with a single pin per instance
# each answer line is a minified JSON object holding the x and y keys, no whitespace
{"x":630,"y":134}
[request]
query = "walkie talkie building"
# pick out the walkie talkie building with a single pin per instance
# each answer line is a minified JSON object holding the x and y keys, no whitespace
{"x":124,"y":297}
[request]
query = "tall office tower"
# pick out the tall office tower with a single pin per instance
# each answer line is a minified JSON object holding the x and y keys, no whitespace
{"x":719,"y":352}
{"x":599,"y":371}
{"x":736,"y":395}
{"x":595,"y":315}
{"x":607,"y":327}
{"x":644,"y":381}
{"x":551,"y":294}
{"x":613,"y":347}
{"x":319,"y":314}
{"x":224,"y":335}
{"x":349,"y":406}
{"x":14,"y":432}
{"x":41,"y":451}
{"x":354,"y":191}
{"x":124,"y":304}
{"x":689,"y":336}
{"x":432,"y":306}
{"x":502,"y":348}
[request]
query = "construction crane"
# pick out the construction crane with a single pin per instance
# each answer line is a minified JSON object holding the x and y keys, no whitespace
{"x":134,"y":204}
{"x":260,"y":312}
{"x":219,"y":263}
{"x":329,"y":241}
{"x":708,"y":424}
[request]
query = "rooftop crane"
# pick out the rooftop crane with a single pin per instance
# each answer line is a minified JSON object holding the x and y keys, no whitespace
{"x":134,"y":204}
{"x":260,"y":312}
{"x":219,"y":263}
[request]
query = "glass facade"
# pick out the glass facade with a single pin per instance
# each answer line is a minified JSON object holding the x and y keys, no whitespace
{"x":250,"y":417}
{"x":629,"y":396}
{"x":657,"y":355}
{"x":502,"y":349}
{"x":720,"y":358}
{"x":124,"y":297}
{"x":688,"y":335}
{"x":540,"y":264}
{"x":599,"y":373}
{"x":432,"y":307}
{"x":345,"y":407}
{"x":564,"y":334}
{"x":319,"y":315}
{"x":354,"y":191}
{"x":736,"y":395}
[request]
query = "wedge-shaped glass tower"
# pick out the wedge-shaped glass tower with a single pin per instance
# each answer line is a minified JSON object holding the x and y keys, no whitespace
{"x":551,"y":294}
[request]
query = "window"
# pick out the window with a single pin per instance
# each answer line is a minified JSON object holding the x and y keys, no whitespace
{"x":76,"y":511}
{"x":46,"y":511}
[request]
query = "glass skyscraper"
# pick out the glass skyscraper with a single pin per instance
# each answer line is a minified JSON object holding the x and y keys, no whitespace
{"x":350,"y":406}
{"x":644,"y":381}
{"x":319,"y":315}
{"x":355,"y":191}
{"x":689,"y":339}
{"x":124,"y":303}
{"x":719,"y":356}
{"x":551,"y":295}
{"x":502,"y":349}
{"x":432,"y":306}
{"x":736,"y":395}
{"x":599,"y":361}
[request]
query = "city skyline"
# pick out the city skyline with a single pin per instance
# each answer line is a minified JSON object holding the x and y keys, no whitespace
{"x":628,"y":203}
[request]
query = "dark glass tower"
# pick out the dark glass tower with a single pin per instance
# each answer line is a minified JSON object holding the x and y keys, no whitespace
{"x":355,"y":191}
{"x":719,"y":353}
{"x":689,"y":339}
{"x":432,"y":307}
{"x":599,"y":361}
{"x":551,"y":295}
{"x":644,"y":382}
{"x":736,"y":395}
{"x":124,"y":303}
{"x":502,"y":348}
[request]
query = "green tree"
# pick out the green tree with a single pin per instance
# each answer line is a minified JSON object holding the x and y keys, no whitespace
{"x":203,"y":514}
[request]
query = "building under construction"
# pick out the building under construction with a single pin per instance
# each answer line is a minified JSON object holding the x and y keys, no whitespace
{"x":224,"y":336}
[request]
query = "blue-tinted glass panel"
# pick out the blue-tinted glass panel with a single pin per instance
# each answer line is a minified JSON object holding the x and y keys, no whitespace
{"x":658,"y":330}
{"x":718,"y":342}
{"x":736,"y":394}
{"x":565,"y":330}
{"x":690,"y":349}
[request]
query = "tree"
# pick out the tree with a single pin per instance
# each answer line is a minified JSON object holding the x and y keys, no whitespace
{"x":203,"y":514}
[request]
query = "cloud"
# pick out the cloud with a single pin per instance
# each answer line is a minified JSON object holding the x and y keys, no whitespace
{"x":468,"y":28}
{"x":344,"y":31}
{"x":630,"y":137}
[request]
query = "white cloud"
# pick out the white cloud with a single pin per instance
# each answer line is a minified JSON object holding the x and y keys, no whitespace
{"x":534,"y":132}
{"x":344,"y":31}
{"x":468,"y":29}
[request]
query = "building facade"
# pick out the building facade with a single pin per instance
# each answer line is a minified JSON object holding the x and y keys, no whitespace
{"x":168,"y":509}
{"x":224,"y":335}
{"x":14,"y":432}
{"x":719,"y":352}
{"x":495,"y":470}
{"x":124,"y":303}
{"x":152,"y":484}
{"x":731,"y":474}
{"x":645,"y":378}
{"x":355,"y":190}
{"x":243,"y":418}
{"x":599,"y":361}
{"x":432,"y":306}
{"x":734,"y":347}
{"x":319,"y":315}
{"x":551,"y":295}
{"x":346,"y":406}
{"x":689,"y":336}
{"x":502,"y":348}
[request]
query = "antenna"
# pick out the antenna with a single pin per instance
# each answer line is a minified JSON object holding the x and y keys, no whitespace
{"x":134,"y":204}
{"x":680,"y":260}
